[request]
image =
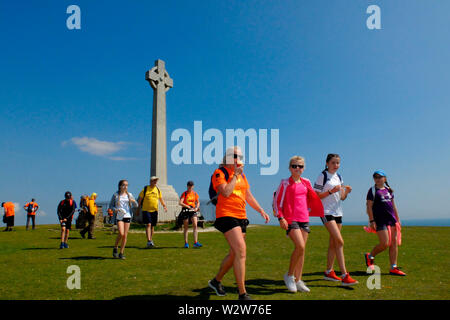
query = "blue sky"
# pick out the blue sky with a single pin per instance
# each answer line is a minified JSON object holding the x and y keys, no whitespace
{"x":311,"y":69}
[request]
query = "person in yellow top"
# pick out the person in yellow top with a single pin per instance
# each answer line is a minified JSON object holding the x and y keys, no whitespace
{"x":148,"y":204}
{"x":92,"y":211}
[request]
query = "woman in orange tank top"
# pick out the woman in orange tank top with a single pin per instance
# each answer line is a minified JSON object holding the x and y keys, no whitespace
{"x":231,"y":218}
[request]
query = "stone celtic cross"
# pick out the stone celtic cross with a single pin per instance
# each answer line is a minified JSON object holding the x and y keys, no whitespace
{"x":161,"y":82}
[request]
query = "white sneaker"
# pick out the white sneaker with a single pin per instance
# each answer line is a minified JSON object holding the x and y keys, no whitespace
{"x":290,"y":282}
{"x":301,"y":286}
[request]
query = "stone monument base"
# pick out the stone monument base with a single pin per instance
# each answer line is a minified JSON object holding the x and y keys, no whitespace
{"x":171,"y":199}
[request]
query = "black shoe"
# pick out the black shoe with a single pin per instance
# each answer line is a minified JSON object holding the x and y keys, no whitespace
{"x":245,"y":296}
{"x":217,"y":287}
{"x":121,"y":256}
{"x":83,"y":235}
{"x":115,"y":253}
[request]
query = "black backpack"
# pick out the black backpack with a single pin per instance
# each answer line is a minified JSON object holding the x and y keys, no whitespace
{"x":212,"y":193}
{"x":30,"y":207}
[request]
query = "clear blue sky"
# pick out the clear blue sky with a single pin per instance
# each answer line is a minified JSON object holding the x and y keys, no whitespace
{"x":312,"y":69}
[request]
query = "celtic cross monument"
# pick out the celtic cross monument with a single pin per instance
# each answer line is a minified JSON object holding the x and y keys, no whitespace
{"x":161,"y":82}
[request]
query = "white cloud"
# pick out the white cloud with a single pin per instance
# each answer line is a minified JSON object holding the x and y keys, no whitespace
{"x":121,"y":158}
{"x":95,"y":146}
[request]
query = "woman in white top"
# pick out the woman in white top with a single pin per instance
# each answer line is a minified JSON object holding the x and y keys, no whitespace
{"x":122,"y":203}
{"x":331,"y":190}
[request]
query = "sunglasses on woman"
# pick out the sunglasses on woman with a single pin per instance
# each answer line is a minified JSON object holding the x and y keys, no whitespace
{"x":238,"y":156}
{"x":295,"y":166}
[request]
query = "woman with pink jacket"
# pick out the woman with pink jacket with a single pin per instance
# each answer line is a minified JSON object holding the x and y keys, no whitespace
{"x":295,"y":202}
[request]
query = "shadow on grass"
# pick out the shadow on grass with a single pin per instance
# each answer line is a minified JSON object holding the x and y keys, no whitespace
{"x":140,"y":248}
{"x":56,"y":248}
{"x":264,"y":287}
{"x":86,"y":258}
{"x":70,"y":238}
{"x":203,"y":294}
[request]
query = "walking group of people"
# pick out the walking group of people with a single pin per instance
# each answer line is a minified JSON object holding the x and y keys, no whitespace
{"x":294,"y":202}
{"x":123,"y":204}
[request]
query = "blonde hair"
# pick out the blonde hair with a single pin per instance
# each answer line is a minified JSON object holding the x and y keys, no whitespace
{"x":296,"y":158}
{"x":228,"y":158}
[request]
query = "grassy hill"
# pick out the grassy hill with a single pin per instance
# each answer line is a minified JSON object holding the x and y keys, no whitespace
{"x":35,"y":268}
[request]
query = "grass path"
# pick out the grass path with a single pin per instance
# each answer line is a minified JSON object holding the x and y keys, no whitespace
{"x":35,"y":268}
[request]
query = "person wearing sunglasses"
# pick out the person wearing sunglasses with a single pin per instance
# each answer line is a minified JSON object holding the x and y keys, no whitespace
{"x":231,"y":218}
{"x":122,"y":203}
{"x":383,"y":217}
{"x":331,"y":190}
{"x":293,"y":198}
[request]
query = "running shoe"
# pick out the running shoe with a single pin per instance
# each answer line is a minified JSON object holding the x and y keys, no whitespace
{"x":186,"y":245}
{"x":397,"y":272}
{"x":66,"y":245}
{"x":61,"y":246}
{"x":115,"y":253}
{"x":301,"y":286}
{"x":245,"y":296}
{"x":217,"y":287}
{"x":121,"y":256}
{"x":369,"y":261}
{"x":83,"y":235}
{"x":348,"y":281}
{"x":290,"y":282}
{"x":331,"y":276}
{"x":150,"y":244}
{"x":198,"y":245}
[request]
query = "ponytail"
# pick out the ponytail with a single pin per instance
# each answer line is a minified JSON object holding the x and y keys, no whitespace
{"x":389,"y":187}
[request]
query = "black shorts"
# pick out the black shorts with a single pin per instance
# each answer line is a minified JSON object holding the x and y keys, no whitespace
{"x":187,"y":214}
{"x":150,"y":217}
{"x":9,"y":221}
{"x":125,"y":220}
{"x":225,"y":224}
{"x":298,"y":225}
{"x":67,"y":224}
{"x":329,"y":218}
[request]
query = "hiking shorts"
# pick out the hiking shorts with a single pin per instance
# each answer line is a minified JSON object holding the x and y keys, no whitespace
{"x":67,"y":224}
{"x":329,"y":218}
{"x":298,"y":225}
{"x":187,"y":214}
{"x":10,"y":221}
{"x":150,"y":217}
{"x":225,"y":224}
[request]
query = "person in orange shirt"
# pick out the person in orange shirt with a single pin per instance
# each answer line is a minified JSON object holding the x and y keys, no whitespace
{"x":9,"y":215}
{"x":31,"y":208}
{"x":231,"y":218}
{"x":190,"y":206}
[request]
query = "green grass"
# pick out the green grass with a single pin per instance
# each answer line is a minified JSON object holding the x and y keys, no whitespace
{"x":34,"y":268}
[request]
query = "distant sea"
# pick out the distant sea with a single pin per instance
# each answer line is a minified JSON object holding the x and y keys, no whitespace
{"x":406,"y":222}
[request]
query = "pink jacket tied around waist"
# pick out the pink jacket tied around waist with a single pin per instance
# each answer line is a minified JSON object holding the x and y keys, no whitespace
{"x":293,"y":208}
{"x":397,"y":227}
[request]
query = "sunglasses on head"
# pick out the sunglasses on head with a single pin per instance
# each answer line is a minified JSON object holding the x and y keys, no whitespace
{"x":295,"y":166}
